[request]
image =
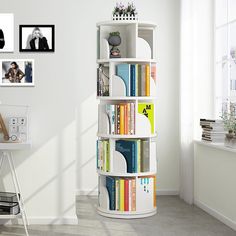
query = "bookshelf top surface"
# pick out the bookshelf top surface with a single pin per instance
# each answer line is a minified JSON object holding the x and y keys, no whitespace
{"x":15,"y":146}
{"x":10,"y":216}
{"x":126,"y":60}
{"x":126,"y":22}
{"x":119,"y":136}
{"x":126,"y":174}
{"x":108,"y":98}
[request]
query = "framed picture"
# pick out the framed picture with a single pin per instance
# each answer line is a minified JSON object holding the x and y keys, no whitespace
{"x":17,"y":73}
{"x":6,"y":32}
{"x":37,"y":38}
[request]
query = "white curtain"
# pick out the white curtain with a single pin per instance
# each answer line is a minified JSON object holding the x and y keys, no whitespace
{"x":196,"y":83}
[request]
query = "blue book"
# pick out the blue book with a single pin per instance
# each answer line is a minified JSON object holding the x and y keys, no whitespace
{"x":128,"y":149}
{"x":132,"y":80}
{"x":111,"y":188}
{"x":123,"y":71}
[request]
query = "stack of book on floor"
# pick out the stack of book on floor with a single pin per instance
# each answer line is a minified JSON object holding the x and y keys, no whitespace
{"x":134,"y":151}
{"x":9,"y":204}
{"x":136,"y":78}
{"x":212,"y":130}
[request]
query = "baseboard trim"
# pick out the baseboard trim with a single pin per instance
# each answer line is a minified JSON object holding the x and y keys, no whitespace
{"x":160,"y":192}
{"x":216,"y":214}
{"x":43,"y":221}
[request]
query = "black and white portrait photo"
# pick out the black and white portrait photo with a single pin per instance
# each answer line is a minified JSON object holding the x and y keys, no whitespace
{"x":17,"y":72}
{"x":6,"y":32}
{"x":36,"y":38}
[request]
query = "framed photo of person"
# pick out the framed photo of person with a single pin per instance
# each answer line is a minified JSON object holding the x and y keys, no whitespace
{"x":6,"y":32}
{"x":17,"y":72}
{"x":37,"y":38}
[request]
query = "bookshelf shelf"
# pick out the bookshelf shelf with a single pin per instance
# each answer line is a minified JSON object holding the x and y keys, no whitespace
{"x":126,"y":214}
{"x":123,"y":60}
{"x":126,"y":144}
{"x":126,"y":174}
{"x":108,"y":98}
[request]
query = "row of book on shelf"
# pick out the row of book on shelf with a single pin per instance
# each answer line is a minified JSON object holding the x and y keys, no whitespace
{"x":136,"y":78}
{"x":122,"y":117}
{"x":123,"y":192}
{"x":134,"y":151}
{"x":212,"y":130}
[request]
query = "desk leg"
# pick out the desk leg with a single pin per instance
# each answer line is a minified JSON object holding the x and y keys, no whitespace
{"x":1,"y":159}
{"x":18,"y":190}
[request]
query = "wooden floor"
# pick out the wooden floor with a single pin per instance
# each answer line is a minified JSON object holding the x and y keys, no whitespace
{"x":174,"y":218}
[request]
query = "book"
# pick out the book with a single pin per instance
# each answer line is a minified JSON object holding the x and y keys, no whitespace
{"x":126,"y":118}
{"x":102,"y":80}
{"x":145,"y":166}
{"x":118,"y":118}
{"x":117,"y":194}
{"x":110,"y":185}
{"x":147,"y":109}
{"x":132,"y":118}
{"x":147,"y":80}
{"x":126,"y":194}
{"x":128,"y":149}
{"x":132,"y":80}
{"x":122,"y":119}
{"x":139,"y":80}
{"x":143,"y":81}
{"x":133,"y":195}
{"x":138,"y":155}
{"x":122,"y":191}
{"x":154,"y":72}
{"x":123,"y":71}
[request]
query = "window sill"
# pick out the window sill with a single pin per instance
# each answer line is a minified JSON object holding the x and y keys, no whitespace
{"x":219,"y":146}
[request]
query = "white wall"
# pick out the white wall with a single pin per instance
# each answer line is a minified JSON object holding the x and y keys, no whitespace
{"x":63,"y":105}
{"x":214,"y":182}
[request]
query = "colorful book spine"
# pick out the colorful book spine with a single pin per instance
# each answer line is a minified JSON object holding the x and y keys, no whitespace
{"x":139,"y":80}
{"x":126,"y":119}
{"x":118,"y":118}
{"x":130,"y":194}
{"x":110,"y":185}
{"x":132,"y":118}
{"x":123,"y":71}
{"x":122,"y":191}
{"x":147,"y":80}
{"x":133,"y":189}
{"x":126,"y":194}
{"x":132,"y":80}
{"x":122,"y":119}
{"x":117,"y":194}
{"x":112,"y":117}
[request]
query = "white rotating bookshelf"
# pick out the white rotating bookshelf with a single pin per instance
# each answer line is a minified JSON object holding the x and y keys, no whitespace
{"x":126,"y":145}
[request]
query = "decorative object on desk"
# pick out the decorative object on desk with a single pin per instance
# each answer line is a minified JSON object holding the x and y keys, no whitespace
{"x":121,"y":12}
{"x":37,"y":38}
{"x":17,"y":129}
{"x":114,"y":40}
{"x":6,"y":32}
{"x":3,"y":129}
{"x":17,"y":73}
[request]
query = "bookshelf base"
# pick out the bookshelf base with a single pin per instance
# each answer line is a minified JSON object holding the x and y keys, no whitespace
{"x":126,"y":215}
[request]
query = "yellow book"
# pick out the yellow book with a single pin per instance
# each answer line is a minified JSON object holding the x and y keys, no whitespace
{"x":122,"y":118}
{"x":147,"y":80}
{"x":122,"y":195}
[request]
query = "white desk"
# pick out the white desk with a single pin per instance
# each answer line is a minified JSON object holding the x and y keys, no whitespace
{"x":6,"y":152}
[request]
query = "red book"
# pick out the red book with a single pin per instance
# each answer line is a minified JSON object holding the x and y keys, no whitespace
{"x":126,"y":194}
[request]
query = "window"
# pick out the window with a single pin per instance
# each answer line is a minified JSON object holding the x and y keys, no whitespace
{"x":225,"y":55}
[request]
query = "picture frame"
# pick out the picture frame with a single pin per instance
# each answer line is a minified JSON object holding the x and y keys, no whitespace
{"x":17,"y":73}
{"x":37,"y":38}
{"x":6,"y":32}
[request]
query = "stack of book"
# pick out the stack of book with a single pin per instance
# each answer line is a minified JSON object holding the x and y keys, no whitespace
{"x":122,"y":192}
{"x":121,"y":118}
{"x":103,"y":155}
{"x":9,"y":204}
{"x":135,"y":153}
{"x":136,"y":78}
{"x":212,"y":130}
